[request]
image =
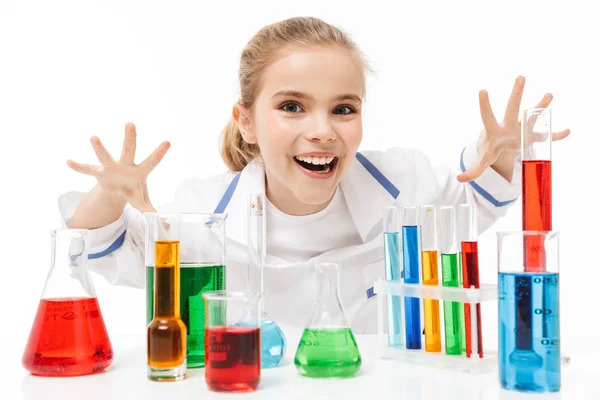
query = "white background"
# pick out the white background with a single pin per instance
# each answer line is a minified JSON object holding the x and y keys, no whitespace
{"x":72,"y":70}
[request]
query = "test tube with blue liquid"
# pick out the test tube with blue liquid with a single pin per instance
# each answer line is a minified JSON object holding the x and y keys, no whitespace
{"x":411,"y":257}
{"x":528,"y":312}
{"x":272,"y":339}
{"x":393,"y":270}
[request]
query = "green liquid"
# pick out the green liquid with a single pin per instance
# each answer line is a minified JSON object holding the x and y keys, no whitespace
{"x":453,"y":310}
{"x":327,"y":353}
{"x":195,"y":279}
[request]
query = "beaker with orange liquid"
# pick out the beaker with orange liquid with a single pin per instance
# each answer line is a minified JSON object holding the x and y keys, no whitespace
{"x":68,"y":336}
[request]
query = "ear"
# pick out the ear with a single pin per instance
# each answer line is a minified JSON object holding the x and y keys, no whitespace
{"x":241,"y":116}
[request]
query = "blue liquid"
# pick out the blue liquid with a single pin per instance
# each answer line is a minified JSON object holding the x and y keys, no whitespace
{"x":529,"y":331}
{"x":272,"y":343}
{"x":392,"y":273}
{"x":412,"y":305}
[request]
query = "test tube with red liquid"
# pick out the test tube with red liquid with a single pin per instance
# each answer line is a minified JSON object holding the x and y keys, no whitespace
{"x":467,"y":220}
{"x":537,"y":184}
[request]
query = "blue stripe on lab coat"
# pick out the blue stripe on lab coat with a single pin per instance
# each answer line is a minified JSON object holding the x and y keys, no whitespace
{"x":227,"y":195}
{"x":379,"y":177}
{"x":387,"y":185}
{"x":481,"y":190}
{"x":114,"y":246}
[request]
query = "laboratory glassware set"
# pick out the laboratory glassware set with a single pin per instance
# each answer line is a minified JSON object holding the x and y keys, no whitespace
{"x":193,"y":321}
{"x":418,"y":239}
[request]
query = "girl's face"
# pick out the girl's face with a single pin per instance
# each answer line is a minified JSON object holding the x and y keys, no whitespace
{"x":307,"y":122}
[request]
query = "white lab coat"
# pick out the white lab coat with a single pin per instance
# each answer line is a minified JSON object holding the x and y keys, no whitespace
{"x":290,"y":287}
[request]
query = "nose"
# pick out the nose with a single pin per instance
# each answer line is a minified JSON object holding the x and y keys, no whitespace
{"x":322,"y":130}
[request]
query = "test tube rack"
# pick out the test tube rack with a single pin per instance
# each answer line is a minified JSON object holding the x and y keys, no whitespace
{"x":472,"y":365}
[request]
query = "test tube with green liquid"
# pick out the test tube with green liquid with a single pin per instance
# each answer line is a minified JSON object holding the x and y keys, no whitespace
{"x":453,"y":310}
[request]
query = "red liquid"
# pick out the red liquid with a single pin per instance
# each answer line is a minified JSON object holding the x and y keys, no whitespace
{"x":68,"y":338}
{"x":232,"y":358}
{"x":470,"y":265}
{"x":537,"y":211}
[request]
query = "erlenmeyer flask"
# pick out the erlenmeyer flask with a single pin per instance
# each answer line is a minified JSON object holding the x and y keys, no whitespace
{"x":68,"y":337}
{"x":327,"y":348}
{"x":273,"y":343}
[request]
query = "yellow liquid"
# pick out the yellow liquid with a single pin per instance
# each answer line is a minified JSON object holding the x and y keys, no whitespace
{"x":167,"y":332}
{"x":431,"y":308}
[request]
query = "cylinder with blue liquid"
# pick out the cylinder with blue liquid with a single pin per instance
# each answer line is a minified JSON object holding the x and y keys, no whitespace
{"x":528,"y":312}
{"x":411,"y":257}
{"x":272,"y":339}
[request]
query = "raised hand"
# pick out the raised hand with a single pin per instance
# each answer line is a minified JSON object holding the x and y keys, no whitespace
{"x":499,"y":142}
{"x":123,"y":178}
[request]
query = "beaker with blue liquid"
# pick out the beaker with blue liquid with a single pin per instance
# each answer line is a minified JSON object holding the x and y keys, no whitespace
{"x":528,"y":312}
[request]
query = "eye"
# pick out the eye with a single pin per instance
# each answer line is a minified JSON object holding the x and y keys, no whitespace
{"x":343,"y":110}
{"x":291,"y":108}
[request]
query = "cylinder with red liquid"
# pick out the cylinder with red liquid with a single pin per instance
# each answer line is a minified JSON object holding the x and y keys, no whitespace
{"x":537,"y":184}
{"x":68,"y":336}
{"x":467,"y":220}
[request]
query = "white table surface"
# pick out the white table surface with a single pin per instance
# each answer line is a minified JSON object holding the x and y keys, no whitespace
{"x":377,"y":379}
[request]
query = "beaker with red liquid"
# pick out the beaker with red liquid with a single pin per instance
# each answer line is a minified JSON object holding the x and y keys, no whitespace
{"x":68,"y":336}
{"x":232,"y":340}
{"x":537,"y":184}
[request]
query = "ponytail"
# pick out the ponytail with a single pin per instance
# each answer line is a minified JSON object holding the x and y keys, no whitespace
{"x":235,"y":151}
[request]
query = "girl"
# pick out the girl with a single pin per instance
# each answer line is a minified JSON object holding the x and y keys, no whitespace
{"x":294,"y":136}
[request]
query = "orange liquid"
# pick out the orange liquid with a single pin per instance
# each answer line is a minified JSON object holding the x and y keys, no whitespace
{"x":167,"y":332}
{"x":68,"y":338}
{"x":431,"y":308}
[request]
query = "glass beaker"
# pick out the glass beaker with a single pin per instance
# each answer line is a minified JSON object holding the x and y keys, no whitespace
{"x":536,"y":182}
{"x":233,"y":335}
{"x":166,"y":333}
{"x":202,"y":269}
{"x":327,"y":348}
{"x":68,"y":337}
{"x":273,"y":341}
{"x":528,"y":313}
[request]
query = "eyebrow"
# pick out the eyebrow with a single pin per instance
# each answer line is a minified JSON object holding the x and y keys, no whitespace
{"x":302,"y":95}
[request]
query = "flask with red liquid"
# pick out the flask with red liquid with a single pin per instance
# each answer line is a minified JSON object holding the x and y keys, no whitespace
{"x":68,"y":336}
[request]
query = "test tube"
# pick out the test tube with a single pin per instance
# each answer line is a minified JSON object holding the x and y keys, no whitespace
{"x":453,"y":310}
{"x":392,"y":252}
{"x":528,"y":314}
{"x":470,"y":266}
{"x":537,"y":183}
{"x":411,"y":256}
{"x":429,"y":263}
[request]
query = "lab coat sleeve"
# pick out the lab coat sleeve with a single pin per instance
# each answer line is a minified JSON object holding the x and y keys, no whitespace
{"x":115,"y":251}
{"x":492,"y":193}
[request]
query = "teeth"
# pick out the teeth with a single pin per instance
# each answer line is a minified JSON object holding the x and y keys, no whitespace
{"x":316,"y":160}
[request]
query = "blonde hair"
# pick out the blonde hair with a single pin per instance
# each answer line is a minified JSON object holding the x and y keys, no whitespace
{"x":257,"y":55}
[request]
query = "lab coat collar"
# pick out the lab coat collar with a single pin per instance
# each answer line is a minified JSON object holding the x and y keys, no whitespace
{"x":364,"y":195}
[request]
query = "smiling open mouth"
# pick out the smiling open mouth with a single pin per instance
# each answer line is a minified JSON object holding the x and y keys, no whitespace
{"x":320,"y":165}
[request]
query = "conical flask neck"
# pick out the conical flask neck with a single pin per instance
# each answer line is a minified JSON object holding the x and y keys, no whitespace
{"x":68,"y":275}
{"x":327,"y":309}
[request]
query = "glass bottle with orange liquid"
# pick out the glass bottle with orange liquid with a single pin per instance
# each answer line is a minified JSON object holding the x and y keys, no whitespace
{"x":166,"y":334}
{"x":68,"y":336}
